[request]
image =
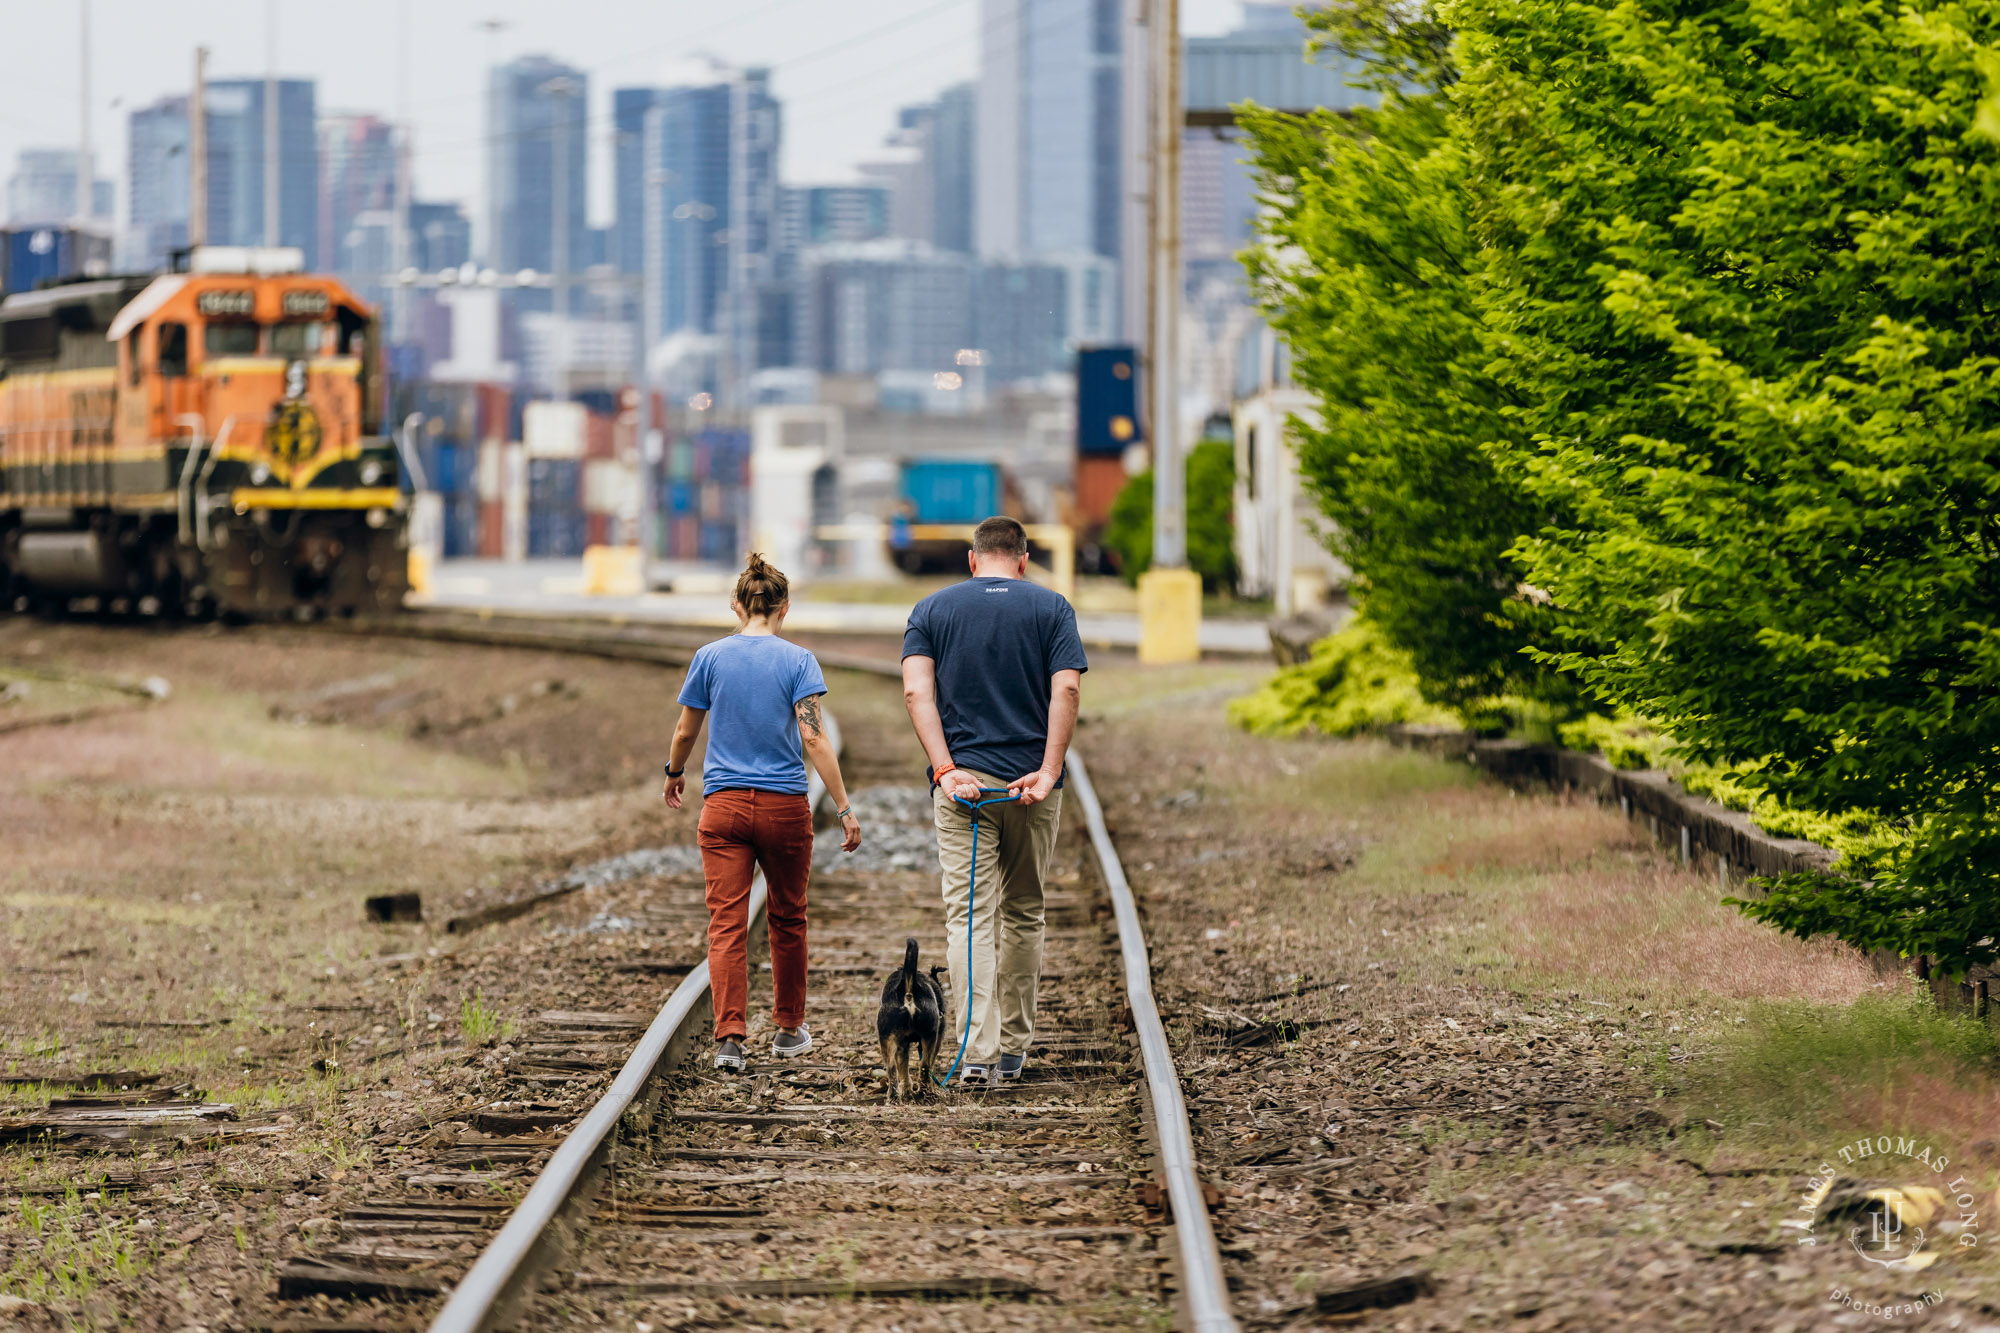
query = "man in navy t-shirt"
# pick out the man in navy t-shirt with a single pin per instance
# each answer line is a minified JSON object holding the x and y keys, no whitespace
{"x":992,"y":676}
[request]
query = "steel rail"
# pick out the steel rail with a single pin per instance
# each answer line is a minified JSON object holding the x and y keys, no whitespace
{"x":493,"y":1291}
{"x":482,"y":1300}
{"x":1202,"y":1284}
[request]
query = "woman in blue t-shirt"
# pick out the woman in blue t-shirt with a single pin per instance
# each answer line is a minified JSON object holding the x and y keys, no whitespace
{"x":763,"y":694}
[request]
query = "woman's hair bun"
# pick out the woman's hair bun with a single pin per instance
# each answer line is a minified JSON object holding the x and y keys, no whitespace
{"x":760,"y":589}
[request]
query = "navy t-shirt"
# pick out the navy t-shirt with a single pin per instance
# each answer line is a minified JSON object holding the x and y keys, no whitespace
{"x":749,"y":683}
{"x":996,"y":642}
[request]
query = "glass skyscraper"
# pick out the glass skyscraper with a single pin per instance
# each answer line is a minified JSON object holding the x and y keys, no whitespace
{"x":157,"y":151}
{"x":1049,"y":131}
{"x":537,"y":122}
{"x":236,"y":164}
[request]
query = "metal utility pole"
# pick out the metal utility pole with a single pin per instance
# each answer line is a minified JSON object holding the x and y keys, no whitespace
{"x":561,"y":89}
{"x":270,"y":122}
{"x":1169,"y":473}
{"x":399,"y":294}
{"x":1169,"y":592}
{"x":653,"y":180}
{"x":85,"y":173}
{"x":198,"y":153}
{"x":1135,"y":229}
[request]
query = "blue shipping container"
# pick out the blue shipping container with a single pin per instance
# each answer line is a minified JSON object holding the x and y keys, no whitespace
{"x":30,"y":256}
{"x":943,"y":491}
{"x":556,"y":525}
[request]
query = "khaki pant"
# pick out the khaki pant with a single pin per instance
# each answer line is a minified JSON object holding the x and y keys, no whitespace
{"x":1015,"y":845}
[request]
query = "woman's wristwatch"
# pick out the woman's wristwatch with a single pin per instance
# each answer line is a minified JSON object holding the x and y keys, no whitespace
{"x":672,"y":774}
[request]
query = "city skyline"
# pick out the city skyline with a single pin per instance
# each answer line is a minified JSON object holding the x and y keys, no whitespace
{"x":843,"y":76}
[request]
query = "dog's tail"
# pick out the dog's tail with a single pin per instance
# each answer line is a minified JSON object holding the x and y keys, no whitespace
{"x":910,"y":971}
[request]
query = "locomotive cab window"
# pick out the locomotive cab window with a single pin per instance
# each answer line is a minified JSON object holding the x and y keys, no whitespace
{"x":296,"y":341}
{"x":353,"y":332}
{"x":229,"y":340}
{"x":135,"y":364}
{"x":173,"y":343}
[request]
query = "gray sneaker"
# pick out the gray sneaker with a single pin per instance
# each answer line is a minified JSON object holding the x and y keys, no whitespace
{"x":788,"y":1044}
{"x":729,"y":1055}
{"x":976,"y":1075}
{"x":1011,"y":1067}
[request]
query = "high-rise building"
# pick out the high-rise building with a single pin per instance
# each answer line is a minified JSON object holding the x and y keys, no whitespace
{"x":830,"y":215}
{"x":903,"y":169}
{"x":887,"y":305}
{"x":236,"y":164}
{"x":953,"y":151}
{"x":157,"y":180}
{"x":536,"y":159}
{"x":692,"y":136}
{"x":896,"y":307}
{"x":357,"y":174}
{"x":43,"y":188}
{"x":1049,"y":137}
{"x":927,"y":168}
{"x":716,"y":132}
{"x":159,"y":173}
{"x":629,"y":109}
{"x":440,"y":236}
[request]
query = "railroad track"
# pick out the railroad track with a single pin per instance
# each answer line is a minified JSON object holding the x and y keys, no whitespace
{"x":795,"y":1196}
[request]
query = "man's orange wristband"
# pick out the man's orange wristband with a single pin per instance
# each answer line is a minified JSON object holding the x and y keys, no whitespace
{"x":942,"y":771}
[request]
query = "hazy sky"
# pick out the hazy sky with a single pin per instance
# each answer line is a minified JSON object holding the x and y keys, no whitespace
{"x":841,"y":67}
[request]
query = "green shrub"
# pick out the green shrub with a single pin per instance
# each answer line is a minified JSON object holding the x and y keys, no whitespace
{"x":1354,"y":680}
{"x":1366,"y":264}
{"x":1211,"y":524}
{"x":1626,"y":742}
{"x":1735,"y":283}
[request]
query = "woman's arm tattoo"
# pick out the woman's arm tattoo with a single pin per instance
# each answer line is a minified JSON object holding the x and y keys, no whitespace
{"x":808,"y":711}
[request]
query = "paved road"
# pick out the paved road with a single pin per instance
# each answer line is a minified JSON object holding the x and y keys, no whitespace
{"x":554,"y":587}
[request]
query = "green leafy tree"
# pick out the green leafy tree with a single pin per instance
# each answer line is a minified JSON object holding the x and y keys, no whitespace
{"x":1739,"y":291}
{"x":1211,"y":530}
{"x":1366,"y":266}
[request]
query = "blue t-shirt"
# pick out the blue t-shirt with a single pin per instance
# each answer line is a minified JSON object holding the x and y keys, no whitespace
{"x":996,"y":643}
{"x":749,"y":683}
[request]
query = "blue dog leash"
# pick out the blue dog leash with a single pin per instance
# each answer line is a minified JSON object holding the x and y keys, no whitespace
{"x":994,"y":796}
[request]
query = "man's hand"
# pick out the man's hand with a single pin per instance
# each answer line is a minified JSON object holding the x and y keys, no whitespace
{"x":850,"y":832}
{"x":1033,"y":788}
{"x":959,"y":784}
{"x":675,"y":787}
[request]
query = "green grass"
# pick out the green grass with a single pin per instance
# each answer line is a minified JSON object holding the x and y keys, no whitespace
{"x":1887,"y":1061}
{"x":479,"y":1023}
{"x":64,"y":1251}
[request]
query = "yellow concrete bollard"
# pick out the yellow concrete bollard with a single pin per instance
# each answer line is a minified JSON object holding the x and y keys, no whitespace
{"x":420,"y":572}
{"x":612,"y":571}
{"x":1169,"y":616}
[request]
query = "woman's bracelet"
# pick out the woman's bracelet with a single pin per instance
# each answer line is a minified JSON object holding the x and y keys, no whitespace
{"x":843,"y":812}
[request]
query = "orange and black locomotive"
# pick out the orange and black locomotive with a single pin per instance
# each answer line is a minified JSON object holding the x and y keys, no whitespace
{"x":209,"y":441}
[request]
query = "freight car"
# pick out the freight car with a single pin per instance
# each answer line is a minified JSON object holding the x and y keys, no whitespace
{"x":207,"y":441}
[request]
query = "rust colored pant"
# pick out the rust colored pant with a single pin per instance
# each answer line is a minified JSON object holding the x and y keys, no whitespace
{"x":741,"y":829}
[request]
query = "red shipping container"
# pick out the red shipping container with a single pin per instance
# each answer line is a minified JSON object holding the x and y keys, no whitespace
{"x":1098,"y":481}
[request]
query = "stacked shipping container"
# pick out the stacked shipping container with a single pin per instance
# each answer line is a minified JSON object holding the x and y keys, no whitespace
{"x":545,"y":478}
{"x":704,"y":496}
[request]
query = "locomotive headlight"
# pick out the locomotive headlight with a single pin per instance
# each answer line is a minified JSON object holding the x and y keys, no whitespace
{"x":378,"y":518}
{"x":371,"y":472}
{"x":259,"y":475}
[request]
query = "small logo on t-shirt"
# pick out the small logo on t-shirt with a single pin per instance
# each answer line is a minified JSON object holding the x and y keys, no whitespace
{"x":998,"y":587}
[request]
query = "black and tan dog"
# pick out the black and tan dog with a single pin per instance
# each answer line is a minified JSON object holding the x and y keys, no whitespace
{"x":912,"y":1014}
